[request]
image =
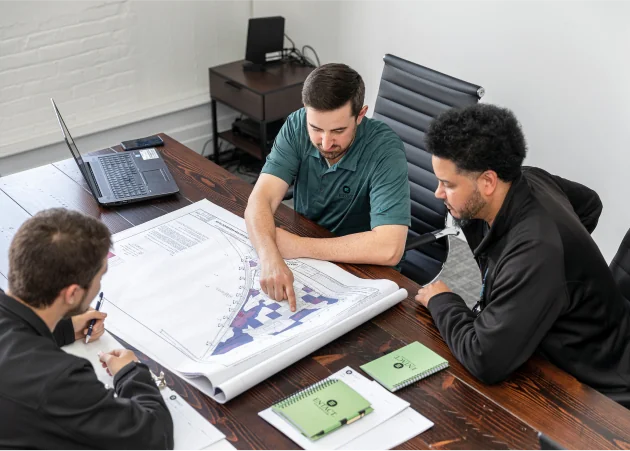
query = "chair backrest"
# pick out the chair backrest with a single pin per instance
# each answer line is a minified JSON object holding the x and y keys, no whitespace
{"x":410,"y":96}
{"x":620,"y":266}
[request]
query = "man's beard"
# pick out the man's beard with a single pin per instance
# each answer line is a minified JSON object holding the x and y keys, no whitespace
{"x":79,"y":309}
{"x":336,"y":155}
{"x":472,"y":207}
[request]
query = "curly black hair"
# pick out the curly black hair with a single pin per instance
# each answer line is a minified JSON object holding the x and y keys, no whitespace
{"x":478,"y":138}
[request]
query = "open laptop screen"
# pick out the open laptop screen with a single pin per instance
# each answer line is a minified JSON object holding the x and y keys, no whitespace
{"x":74,"y":150}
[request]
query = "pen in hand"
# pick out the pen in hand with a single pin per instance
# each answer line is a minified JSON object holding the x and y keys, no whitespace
{"x":99,"y":303}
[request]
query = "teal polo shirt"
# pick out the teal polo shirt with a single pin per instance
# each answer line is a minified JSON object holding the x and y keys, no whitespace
{"x":367,"y":188}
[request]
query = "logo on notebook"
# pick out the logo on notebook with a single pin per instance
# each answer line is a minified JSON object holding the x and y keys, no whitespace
{"x":326,"y":406}
{"x":402,"y":362}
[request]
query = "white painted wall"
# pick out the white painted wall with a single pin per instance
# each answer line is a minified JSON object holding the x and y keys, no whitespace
{"x":190,"y":126}
{"x":109,"y":64}
{"x":308,"y":22}
{"x":563,"y":67}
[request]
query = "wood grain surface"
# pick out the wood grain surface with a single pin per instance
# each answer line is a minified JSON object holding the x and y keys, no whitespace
{"x":467,"y":414}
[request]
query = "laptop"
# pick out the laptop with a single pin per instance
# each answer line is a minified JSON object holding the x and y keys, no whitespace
{"x":122,"y":177}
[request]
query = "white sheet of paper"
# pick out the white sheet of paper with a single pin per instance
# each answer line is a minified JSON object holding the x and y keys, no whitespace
{"x":221,"y":444}
{"x":149,"y":154}
{"x":192,"y":431}
{"x":384,"y":403}
{"x":393,"y":432}
{"x":197,"y":308}
{"x":90,"y":352}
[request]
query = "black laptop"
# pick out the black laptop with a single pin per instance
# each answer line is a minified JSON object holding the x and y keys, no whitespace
{"x":122,"y":177}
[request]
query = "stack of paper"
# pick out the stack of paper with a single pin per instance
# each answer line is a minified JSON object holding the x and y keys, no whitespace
{"x":192,"y":431}
{"x":391,"y":423}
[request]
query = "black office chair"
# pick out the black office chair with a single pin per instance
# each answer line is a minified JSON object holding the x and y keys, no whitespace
{"x":620,"y":266}
{"x":410,"y":96}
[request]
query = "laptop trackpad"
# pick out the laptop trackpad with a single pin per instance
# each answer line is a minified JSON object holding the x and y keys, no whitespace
{"x":154,"y":177}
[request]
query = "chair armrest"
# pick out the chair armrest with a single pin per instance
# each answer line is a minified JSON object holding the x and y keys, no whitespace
{"x":431,"y":237}
{"x":289,"y":194}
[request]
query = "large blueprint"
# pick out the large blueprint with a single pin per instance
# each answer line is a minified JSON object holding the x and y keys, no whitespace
{"x":184,"y":289}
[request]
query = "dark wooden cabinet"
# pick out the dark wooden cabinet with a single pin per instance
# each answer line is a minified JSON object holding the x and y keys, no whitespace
{"x":262,"y":96}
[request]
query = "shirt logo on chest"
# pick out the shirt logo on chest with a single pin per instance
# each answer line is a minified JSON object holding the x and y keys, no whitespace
{"x":345,"y":192}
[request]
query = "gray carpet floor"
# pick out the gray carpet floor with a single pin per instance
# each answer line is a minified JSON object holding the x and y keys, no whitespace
{"x":460,"y":272}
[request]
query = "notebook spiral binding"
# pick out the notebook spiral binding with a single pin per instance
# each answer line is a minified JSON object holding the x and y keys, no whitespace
{"x":411,"y":380}
{"x":284,"y":402}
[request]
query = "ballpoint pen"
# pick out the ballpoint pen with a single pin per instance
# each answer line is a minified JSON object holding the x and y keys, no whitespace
{"x":99,"y":303}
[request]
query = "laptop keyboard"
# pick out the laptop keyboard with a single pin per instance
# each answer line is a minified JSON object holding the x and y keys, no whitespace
{"x":123,"y":176}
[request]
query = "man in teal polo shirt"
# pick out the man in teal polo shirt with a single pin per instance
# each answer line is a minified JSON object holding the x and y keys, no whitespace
{"x":350,"y":176}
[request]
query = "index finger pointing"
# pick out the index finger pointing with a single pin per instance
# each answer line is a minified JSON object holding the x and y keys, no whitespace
{"x":291,"y":297}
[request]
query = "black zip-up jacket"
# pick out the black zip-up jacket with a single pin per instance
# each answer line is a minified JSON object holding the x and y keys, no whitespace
{"x":548,"y":289}
{"x":53,"y":400}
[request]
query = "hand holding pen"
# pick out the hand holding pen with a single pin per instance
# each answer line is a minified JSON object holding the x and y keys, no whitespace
{"x":99,"y":304}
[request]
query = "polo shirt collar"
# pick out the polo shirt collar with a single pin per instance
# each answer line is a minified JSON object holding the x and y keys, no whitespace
{"x":25,"y":314}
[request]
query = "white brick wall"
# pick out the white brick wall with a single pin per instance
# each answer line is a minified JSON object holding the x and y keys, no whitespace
{"x":58,"y":52}
{"x":103,"y":59}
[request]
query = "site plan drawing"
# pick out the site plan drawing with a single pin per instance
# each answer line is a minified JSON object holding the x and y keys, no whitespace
{"x":184,"y":289}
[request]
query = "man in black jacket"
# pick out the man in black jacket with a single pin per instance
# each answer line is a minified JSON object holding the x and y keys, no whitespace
{"x":50,"y":399}
{"x":546,"y":287}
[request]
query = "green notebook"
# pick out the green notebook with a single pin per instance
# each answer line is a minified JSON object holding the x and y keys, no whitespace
{"x":405,"y":366}
{"x":322,"y":408}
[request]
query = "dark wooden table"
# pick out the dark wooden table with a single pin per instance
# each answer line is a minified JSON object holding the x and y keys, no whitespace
{"x":466,"y":413}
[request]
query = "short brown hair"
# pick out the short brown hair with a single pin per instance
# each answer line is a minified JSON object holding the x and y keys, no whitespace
{"x":331,"y":86}
{"x":52,"y":250}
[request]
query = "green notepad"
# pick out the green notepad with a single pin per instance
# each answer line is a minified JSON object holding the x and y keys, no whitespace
{"x":322,"y":408}
{"x":405,"y":366}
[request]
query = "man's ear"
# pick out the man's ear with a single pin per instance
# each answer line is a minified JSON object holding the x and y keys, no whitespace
{"x":488,"y":181}
{"x":361,"y":114}
{"x":71,"y":295}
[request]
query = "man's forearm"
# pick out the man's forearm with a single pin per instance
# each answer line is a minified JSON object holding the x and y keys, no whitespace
{"x":261,"y":229}
{"x":365,"y":247}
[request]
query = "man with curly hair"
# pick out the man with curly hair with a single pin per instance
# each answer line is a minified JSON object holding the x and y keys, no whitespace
{"x":546,"y":287}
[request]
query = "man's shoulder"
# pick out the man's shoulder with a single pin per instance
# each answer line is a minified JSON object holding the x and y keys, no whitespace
{"x":30,"y":363}
{"x":532,"y":173}
{"x":293,"y":134}
{"x":384,"y":146}
{"x":24,"y":349}
{"x":541,"y":181}
{"x":537,"y":232}
{"x":296,"y":120}
{"x":378,"y":132}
